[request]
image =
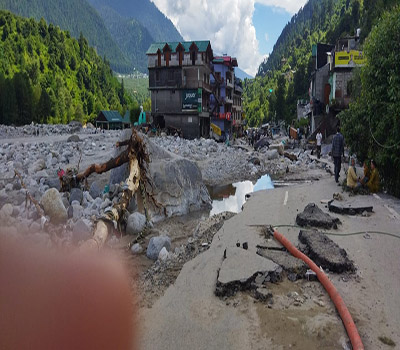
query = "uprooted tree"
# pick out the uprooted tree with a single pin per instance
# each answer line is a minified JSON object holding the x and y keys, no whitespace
{"x":137,"y":158}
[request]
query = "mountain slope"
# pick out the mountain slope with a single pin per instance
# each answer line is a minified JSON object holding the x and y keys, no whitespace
{"x":144,"y":11}
{"x":131,"y":36}
{"x":76,"y":16}
{"x":46,"y":76}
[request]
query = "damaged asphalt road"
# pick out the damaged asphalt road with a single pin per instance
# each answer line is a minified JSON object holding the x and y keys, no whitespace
{"x":190,"y":313}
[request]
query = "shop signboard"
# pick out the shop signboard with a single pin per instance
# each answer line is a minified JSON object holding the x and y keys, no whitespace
{"x":349,"y":59}
{"x":190,"y":100}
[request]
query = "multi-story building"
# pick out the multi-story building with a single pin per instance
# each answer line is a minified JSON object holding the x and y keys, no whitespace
{"x":330,"y":86}
{"x":237,"y":112}
{"x":179,"y":82}
{"x":222,"y":100}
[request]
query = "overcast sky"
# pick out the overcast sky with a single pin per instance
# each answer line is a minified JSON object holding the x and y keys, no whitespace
{"x":246,"y":29}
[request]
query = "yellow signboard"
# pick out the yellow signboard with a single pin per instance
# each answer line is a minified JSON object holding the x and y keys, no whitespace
{"x":349,"y":59}
{"x":216,"y":129}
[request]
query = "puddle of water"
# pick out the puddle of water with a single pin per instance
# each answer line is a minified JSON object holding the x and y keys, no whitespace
{"x":232,"y":197}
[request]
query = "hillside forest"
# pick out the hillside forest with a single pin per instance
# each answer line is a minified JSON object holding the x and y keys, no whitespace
{"x":120,"y":30}
{"x":284,"y":77}
{"x":46,"y":76}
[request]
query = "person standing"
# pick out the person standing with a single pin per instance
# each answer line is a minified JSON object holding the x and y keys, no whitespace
{"x":319,"y":143}
{"x":337,"y":152}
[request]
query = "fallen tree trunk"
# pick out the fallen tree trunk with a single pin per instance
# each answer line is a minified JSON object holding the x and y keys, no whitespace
{"x":137,"y":157}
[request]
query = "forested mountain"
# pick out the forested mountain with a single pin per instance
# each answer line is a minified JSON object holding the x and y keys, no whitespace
{"x":47,"y":76}
{"x":284,"y":77}
{"x":145,"y":12}
{"x":131,"y":36}
{"x":76,"y":16}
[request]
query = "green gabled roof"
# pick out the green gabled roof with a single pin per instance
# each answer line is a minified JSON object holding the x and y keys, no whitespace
{"x":202,"y":46}
{"x":127,"y":118}
{"x":112,"y":116}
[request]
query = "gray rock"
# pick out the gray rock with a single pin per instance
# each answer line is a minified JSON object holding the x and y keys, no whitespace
{"x":240,"y":268}
{"x":77,"y":212}
{"x":136,"y":223}
{"x":95,"y":190}
{"x":132,"y":207}
{"x":70,"y":212}
{"x":76,"y":194}
{"x":53,"y":206}
{"x":272,"y":154}
{"x":155,"y":246}
{"x":81,"y":231}
{"x":7,"y":210}
{"x":53,"y":182}
{"x":163,"y":254}
{"x":177,"y":186}
{"x":105,"y":204}
{"x":38,"y":165}
{"x":136,"y":248}
{"x":73,"y":138}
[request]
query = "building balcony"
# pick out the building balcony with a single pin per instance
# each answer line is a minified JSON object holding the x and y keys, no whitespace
{"x":228,"y":100}
{"x":238,"y":89}
{"x":196,"y":84}
{"x":229,"y":83}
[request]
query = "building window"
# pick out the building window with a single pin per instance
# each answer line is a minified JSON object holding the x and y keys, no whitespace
{"x":167,"y":57}
{"x":159,"y":59}
{"x":180,"y":53}
{"x":193,"y":55}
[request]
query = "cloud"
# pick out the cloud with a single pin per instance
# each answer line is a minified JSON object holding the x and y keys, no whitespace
{"x":266,"y":37}
{"x":291,"y":6}
{"x":227,"y":24}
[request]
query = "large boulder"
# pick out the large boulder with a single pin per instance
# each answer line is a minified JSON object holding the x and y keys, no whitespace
{"x":76,"y":194}
{"x":53,"y":206}
{"x":73,"y":138}
{"x":155,"y":246}
{"x":95,"y":190}
{"x":176,"y":187}
{"x":38,"y":165}
{"x":136,"y":223}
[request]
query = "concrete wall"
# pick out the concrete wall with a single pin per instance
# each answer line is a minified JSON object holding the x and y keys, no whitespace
{"x":166,"y":77}
{"x":189,"y":124}
{"x":166,"y":101}
{"x":321,"y":79}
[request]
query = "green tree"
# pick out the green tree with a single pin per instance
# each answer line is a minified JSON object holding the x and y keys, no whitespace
{"x":281,"y":98}
{"x":372,"y":123}
{"x":134,"y":113}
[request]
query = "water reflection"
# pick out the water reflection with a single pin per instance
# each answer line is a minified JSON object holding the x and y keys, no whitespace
{"x":232,"y":197}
